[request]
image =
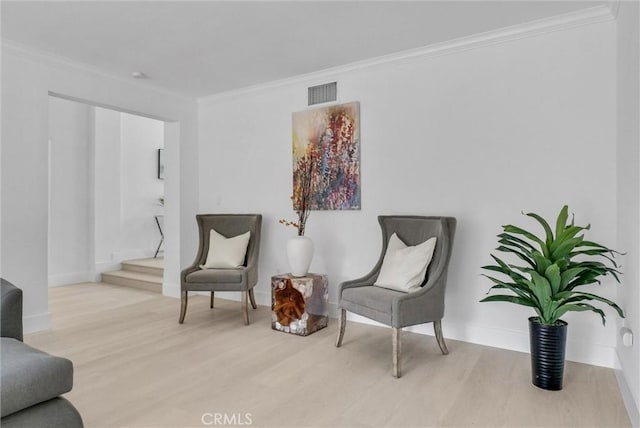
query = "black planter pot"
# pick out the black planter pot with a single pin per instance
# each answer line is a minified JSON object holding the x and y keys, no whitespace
{"x":548,"y":344}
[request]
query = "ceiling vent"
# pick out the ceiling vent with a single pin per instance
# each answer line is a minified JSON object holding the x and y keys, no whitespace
{"x":323,"y":93}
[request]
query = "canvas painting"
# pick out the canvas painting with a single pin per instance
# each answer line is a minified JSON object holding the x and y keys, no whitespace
{"x":326,"y":146}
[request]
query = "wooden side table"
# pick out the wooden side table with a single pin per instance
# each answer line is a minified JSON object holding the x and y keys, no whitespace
{"x":299,"y":304}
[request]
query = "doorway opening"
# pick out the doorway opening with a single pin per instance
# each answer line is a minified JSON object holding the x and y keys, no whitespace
{"x":106,"y":195}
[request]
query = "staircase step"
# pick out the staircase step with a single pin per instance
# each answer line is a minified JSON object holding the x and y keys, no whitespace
{"x":142,"y":281}
{"x":148,"y":266}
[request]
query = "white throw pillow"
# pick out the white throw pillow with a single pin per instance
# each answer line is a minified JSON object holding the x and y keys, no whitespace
{"x":226,"y":253}
{"x":404,"y":268}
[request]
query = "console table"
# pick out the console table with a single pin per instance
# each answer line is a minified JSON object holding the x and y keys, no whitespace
{"x":158,"y":217}
{"x":299,"y":304}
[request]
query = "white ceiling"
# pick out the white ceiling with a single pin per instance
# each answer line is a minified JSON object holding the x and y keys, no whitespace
{"x":197,"y":48}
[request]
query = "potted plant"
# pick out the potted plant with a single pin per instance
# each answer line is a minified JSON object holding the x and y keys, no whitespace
{"x":301,"y":198}
{"x":550,"y":280}
{"x":300,"y":247}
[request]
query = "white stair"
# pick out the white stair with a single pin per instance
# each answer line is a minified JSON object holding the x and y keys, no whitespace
{"x":144,"y":274}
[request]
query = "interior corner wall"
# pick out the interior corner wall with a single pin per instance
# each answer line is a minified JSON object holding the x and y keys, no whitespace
{"x":628,"y":192}
{"x":481,"y":134}
{"x":27,"y":80}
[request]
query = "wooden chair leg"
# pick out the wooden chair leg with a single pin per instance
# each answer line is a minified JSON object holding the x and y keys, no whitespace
{"x":342,"y":322}
{"x":211,"y":301}
{"x":437,"y":328}
{"x":252,"y":299}
{"x":397,"y":343}
{"x":184,"y":297}
{"x":245,"y":307}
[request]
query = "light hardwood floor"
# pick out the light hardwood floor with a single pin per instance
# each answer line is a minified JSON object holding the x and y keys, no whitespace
{"x":135,"y":366}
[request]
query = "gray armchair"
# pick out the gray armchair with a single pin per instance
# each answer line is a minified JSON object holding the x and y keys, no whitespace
{"x":394,"y":308}
{"x":241,"y":279}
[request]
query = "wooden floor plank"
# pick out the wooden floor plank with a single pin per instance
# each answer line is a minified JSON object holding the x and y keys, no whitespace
{"x":135,"y":366}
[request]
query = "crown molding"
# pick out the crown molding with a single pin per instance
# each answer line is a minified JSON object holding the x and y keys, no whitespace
{"x":614,"y":7}
{"x":593,"y":15}
{"x":58,"y":61}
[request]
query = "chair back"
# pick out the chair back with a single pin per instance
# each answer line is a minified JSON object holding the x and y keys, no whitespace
{"x":414,"y":230}
{"x":230,"y":225}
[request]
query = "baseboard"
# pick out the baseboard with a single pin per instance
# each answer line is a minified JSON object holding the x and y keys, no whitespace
{"x":627,"y":396}
{"x":104,"y":267}
{"x":132,"y":254}
{"x":513,"y":340}
{"x":517,"y":340}
{"x":170,"y":289}
{"x":70,"y":278}
{"x":117,"y":258}
{"x":39,"y":322}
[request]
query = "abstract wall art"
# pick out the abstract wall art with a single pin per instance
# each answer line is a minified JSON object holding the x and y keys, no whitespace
{"x":326,"y":144}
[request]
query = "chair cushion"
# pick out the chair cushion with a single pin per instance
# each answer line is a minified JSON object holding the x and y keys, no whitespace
{"x":29,"y":376}
{"x":206,"y":276}
{"x":226,"y":252}
{"x":404,"y":267}
{"x":371,"y":302}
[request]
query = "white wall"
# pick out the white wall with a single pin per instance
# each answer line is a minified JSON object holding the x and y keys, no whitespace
{"x":107,"y":177}
{"x":139,"y":184}
{"x":481,"y":133}
{"x":628,"y":185}
{"x":25,"y":185}
{"x":70,"y":192}
{"x":27,"y":80}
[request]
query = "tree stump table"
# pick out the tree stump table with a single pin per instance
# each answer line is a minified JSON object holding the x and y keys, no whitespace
{"x":299,"y":304}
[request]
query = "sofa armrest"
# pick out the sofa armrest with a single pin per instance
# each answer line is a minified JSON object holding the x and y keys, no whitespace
{"x":30,"y":376}
{"x":10,"y":310}
{"x":54,"y":413}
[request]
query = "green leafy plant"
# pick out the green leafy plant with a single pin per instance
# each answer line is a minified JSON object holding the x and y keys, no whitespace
{"x":554,"y":268}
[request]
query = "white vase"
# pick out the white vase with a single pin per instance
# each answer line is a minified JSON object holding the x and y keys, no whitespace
{"x":300,"y":253}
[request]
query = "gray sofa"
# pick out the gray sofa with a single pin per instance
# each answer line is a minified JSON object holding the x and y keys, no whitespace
{"x":31,"y":381}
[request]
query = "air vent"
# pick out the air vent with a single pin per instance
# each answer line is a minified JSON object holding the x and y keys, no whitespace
{"x":323,"y":93}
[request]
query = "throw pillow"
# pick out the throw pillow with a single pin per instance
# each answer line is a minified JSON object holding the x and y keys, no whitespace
{"x":404,"y":267}
{"x":226,"y":253}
